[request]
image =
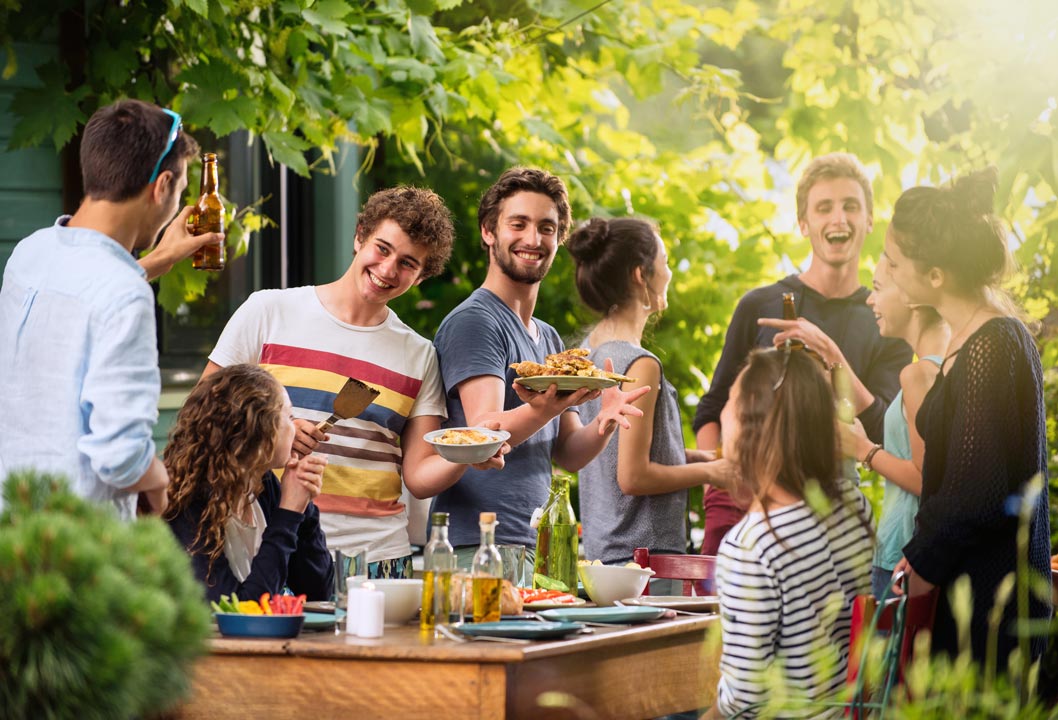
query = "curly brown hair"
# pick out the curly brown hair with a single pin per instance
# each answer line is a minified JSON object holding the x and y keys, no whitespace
{"x":524,"y":179}
{"x":421,"y":213}
{"x":221,"y":446}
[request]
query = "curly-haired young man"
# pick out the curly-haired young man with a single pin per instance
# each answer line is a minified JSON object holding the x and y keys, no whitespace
{"x":312,"y":338}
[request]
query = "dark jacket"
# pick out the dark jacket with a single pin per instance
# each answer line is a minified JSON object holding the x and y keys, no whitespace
{"x":293,"y":551}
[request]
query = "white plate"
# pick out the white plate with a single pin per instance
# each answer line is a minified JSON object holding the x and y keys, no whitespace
{"x":565,"y":383}
{"x":551,"y":604}
{"x":702,"y":603}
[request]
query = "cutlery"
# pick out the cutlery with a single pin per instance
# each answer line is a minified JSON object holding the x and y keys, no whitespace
{"x":351,"y":400}
{"x":535,"y":616}
{"x":451,"y":635}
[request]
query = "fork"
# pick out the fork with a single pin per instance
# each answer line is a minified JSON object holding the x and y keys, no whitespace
{"x":541,"y":618}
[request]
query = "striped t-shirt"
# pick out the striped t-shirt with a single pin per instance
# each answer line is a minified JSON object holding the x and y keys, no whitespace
{"x":786,"y":604}
{"x":311,"y":352}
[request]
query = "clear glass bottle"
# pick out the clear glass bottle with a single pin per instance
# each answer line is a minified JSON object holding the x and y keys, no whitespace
{"x":555,"y":565}
{"x":439,"y":562}
{"x":842,"y":382}
{"x":487,"y":572}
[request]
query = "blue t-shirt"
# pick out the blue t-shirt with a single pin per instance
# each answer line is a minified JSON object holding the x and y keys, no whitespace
{"x":483,"y":336}
{"x":899,"y":507}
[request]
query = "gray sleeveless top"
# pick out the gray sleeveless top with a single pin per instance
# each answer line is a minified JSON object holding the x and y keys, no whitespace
{"x":614,"y":524}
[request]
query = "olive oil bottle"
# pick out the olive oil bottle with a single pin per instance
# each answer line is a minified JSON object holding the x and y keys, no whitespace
{"x":439,"y":562}
{"x":487,"y":572}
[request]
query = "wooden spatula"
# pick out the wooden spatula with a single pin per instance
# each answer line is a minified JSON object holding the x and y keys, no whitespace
{"x":351,"y":400}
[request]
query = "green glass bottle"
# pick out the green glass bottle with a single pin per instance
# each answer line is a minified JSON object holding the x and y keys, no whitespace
{"x":555,"y":565}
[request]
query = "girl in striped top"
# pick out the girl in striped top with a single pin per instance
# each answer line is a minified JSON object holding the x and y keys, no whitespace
{"x":788,"y":571}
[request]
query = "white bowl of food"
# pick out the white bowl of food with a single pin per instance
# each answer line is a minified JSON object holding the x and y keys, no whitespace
{"x":466,"y":445}
{"x":606,"y":584}
{"x":403,"y":598}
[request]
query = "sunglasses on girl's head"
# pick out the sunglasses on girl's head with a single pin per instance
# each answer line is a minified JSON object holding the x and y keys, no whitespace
{"x":173,"y":132}
{"x":787,"y":350}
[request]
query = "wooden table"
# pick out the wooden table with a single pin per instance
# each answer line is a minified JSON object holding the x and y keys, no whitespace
{"x":639,"y":671}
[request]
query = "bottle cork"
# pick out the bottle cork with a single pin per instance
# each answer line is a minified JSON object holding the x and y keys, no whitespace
{"x":487,"y":517}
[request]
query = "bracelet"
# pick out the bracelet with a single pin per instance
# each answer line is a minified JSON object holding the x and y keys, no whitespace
{"x":870,"y":456}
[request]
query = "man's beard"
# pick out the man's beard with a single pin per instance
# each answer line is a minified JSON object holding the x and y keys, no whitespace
{"x":505,"y":261}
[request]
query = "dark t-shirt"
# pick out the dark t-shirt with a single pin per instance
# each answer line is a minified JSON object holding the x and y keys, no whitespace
{"x":483,"y":336}
{"x":877,"y":361}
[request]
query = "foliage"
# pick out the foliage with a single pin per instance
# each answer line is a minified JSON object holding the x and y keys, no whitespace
{"x":698,"y":115}
{"x":98,"y":618}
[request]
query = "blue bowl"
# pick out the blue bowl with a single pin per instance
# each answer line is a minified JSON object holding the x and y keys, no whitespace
{"x":261,"y":626}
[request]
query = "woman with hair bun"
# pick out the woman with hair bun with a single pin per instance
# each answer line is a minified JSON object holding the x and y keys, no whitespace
{"x":983,"y":419}
{"x":634,"y":493}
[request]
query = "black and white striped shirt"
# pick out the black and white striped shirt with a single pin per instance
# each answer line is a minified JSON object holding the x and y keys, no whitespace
{"x":786,"y":603}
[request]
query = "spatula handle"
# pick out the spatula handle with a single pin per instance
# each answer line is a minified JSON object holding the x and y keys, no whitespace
{"x":325,"y":425}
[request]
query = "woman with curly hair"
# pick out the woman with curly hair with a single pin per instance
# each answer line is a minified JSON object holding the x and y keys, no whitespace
{"x":246,"y":531}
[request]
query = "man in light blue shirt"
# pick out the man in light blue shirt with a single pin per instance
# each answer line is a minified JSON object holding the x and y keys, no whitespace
{"x":80,"y":380}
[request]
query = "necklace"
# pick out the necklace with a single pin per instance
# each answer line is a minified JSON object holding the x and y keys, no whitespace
{"x":958,"y":336}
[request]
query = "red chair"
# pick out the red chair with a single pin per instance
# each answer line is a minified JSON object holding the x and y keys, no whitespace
{"x":902,"y":618}
{"x":698,"y":572}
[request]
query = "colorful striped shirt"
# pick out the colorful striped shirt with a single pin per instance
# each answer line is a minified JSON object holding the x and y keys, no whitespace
{"x":786,"y":596}
{"x":291,"y":334}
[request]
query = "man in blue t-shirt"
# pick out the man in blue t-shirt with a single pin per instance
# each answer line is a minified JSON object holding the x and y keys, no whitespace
{"x":524,"y":217}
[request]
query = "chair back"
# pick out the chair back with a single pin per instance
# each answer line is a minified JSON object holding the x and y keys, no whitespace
{"x":902,"y":618}
{"x":698,"y":572}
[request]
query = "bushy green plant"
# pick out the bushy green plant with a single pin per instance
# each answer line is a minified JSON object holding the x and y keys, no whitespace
{"x":98,"y":618}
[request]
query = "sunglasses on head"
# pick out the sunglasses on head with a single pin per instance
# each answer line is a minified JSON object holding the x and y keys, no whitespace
{"x":173,"y":132}
{"x":789,"y":349}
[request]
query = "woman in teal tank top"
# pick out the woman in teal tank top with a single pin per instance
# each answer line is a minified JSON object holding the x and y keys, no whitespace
{"x":899,"y":461}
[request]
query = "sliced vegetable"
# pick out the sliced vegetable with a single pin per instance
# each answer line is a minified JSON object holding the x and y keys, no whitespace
{"x":549,"y":583}
{"x":266,"y":607}
{"x":250,"y":607}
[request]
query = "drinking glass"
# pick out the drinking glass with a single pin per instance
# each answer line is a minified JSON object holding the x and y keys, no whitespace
{"x":350,"y":570}
{"x":461,"y":584}
{"x":513,"y":557}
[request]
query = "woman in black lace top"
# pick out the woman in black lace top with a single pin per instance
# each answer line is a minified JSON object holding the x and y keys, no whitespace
{"x":983,"y":420}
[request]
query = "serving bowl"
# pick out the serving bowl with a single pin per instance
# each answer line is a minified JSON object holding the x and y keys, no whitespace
{"x":262,"y":626}
{"x":606,"y":584}
{"x":467,"y":454}
{"x":403,"y":598}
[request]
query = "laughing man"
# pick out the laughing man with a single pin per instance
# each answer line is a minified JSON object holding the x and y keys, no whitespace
{"x":835,"y":208}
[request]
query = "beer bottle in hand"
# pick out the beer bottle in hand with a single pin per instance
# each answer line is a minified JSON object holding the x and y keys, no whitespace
{"x":208,"y":216}
{"x":789,"y":312}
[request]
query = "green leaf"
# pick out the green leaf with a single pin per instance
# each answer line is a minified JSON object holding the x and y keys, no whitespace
{"x":48,"y":110}
{"x":180,"y":285}
{"x":199,"y":6}
{"x":424,"y":40}
{"x":288,"y":149}
{"x":329,"y":16}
